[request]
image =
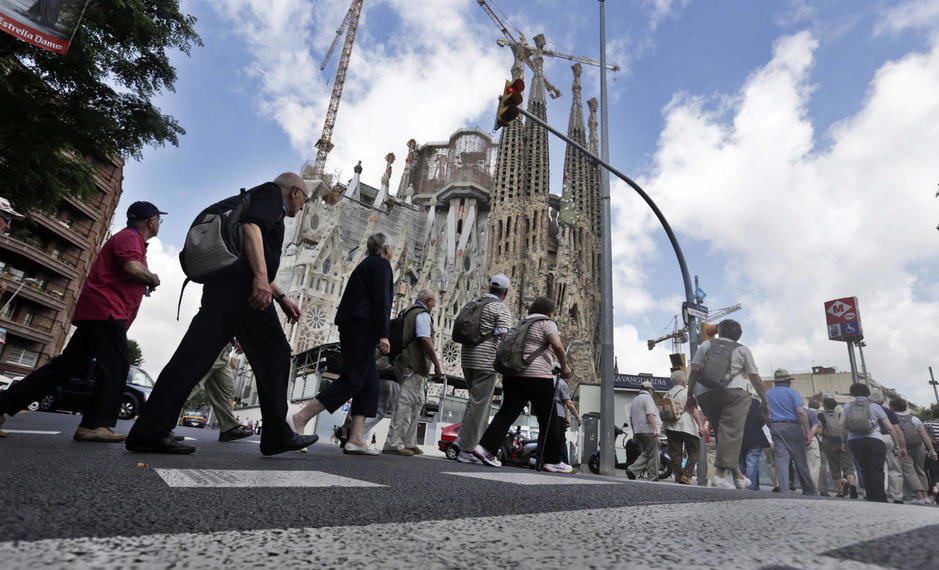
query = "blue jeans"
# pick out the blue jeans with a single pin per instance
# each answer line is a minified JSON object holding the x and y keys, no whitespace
{"x":750,"y":466}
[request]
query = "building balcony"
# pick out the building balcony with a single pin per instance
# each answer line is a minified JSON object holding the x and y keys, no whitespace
{"x":52,"y":298}
{"x":88,"y":207}
{"x":73,"y":234}
{"x":64,"y":264}
{"x":32,"y":327}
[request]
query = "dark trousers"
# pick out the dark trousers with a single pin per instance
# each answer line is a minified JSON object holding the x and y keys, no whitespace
{"x":104,"y":341}
{"x":516,"y":392}
{"x":692,"y":446}
{"x":359,"y":378}
{"x":224,"y":314}
{"x":870,"y":454}
{"x":932,"y":473}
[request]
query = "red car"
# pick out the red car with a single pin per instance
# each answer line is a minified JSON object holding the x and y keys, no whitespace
{"x":447,"y":443}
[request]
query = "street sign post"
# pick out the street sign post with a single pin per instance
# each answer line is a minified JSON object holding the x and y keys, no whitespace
{"x":844,"y":320}
{"x":694,"y":310}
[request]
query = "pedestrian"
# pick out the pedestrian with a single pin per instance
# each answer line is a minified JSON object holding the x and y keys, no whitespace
{"x":236,"y":302}
{"x":646,"y":423}
{"x":813,"y":452}
{"x":219,"y":386}
{"x":534,"y":384}
{"x":894,"y":444}
{"x":363,"y":317}
{"x":259,"y":426}
{"x":684,"y":431}
{"x":754,"y":442}
{"x":726,"y":405}
{"x":866,"y":441}
{"x":106,"y":308}
{"x":792,"y":433}
{"x":387,"y":400}
{"x":7,"y":215}
{"x":932,"y":463}
{"x":918,"y":446}
{"x":565,"y":408}
{"x":412,"y":367}
{"x":476,"y":360}
{"x":840,"y":460}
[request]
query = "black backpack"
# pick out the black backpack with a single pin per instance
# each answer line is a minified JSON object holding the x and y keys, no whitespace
{"x":466,"y":326}
{"x":510,"y":358}
{"x":214,"y":241}
{"x":396,"y":333}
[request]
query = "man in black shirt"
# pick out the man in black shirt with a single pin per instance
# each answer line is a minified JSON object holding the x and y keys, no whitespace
{"x":237,"y":302}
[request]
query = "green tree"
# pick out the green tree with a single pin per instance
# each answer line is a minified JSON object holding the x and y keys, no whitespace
{"x":136,"y":355}
{"x":60,"y":114}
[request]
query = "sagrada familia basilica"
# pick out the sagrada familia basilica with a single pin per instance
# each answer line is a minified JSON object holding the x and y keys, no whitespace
{"x":465,"y":209}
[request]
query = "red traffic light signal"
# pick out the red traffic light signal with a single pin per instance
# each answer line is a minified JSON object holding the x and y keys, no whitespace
{"x":509,"y":102}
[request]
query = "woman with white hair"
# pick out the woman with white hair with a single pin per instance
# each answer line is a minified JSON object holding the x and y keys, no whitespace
{"x":683,"y":431}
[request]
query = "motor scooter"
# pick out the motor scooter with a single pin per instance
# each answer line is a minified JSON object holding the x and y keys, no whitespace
{"x":518,"y":451}
{"x":633,"y":453}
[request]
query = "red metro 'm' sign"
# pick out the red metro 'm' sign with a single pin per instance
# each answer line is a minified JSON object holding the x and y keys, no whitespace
{"x":843,"y":319}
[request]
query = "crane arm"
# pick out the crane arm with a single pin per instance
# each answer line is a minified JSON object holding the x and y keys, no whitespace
{"x":342,"y":28}
{"x":568,"y":56}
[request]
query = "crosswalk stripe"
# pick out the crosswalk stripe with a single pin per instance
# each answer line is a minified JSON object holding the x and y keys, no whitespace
{"x":33,"y":431}
{"x":530,"y":478}
{"x":256,"y":478}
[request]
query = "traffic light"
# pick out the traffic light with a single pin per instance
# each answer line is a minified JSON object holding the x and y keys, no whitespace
{"x":708,"y":332}
{"x":509,"y":102}
{"x":678,"y":361}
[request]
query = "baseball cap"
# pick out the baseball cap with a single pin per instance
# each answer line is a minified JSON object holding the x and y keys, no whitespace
{"x":142,"y":211}
{"x":499,"y":280}
{"x":781,"y":375}
{"x":6,"y":208}
{"x":646,"y":384}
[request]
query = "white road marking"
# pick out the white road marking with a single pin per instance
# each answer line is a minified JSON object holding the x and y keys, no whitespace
{"x":242,"y":478}
{"x":530,"y":478}
{"x":729,"y":534}
{"x":33,"y":431}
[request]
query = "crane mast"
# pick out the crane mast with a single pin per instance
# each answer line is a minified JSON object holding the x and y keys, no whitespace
{"x":349,"y":23}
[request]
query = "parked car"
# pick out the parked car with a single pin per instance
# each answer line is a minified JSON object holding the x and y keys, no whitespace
{"x":447,"y":443}
{"x":73,"y":395}
{"x":194,"y":419}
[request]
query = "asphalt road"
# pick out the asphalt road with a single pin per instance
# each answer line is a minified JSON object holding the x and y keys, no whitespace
{"x":79,"y":505}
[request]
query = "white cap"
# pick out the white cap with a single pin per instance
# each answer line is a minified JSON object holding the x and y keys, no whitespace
{"x":8,"y":209}
{"x":500,"y":281}
{"x":647,"y":384}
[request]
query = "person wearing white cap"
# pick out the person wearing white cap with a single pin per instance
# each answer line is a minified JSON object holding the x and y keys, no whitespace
{"x":488,"y":319}
{"x":7,"y":215}
{"x":646,"y":423}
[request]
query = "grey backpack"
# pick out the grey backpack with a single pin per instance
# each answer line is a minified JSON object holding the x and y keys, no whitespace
{"x":466,"y":326}
{"x":510,"y":358}
{"x":831,"y":425}
{"x":715,"y":369}
{"x":910,"y":431}
{"x":858,"y":417}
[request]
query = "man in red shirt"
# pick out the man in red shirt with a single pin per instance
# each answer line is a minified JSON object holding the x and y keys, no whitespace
{"x":107,"y":306}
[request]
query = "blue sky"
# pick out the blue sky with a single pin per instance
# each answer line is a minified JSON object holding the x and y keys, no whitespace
{"x":791,"y":145}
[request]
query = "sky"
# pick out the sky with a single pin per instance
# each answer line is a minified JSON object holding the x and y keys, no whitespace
{"x":792,"y":146}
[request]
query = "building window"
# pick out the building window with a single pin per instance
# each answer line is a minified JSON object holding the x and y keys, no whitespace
{"x":326,"y":266}
{"x":19,"y":356}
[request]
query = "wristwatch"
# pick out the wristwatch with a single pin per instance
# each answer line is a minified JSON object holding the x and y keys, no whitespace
{"x":282,"y":295}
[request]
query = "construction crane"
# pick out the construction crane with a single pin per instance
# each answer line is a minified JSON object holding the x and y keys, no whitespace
{"x":510,"y":40}
{"x":349,"y":25}
{"x":680,"y":336}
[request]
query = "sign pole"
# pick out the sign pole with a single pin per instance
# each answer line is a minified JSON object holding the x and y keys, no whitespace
{"x":860,"y":349}
{"x":932,"y":380}
{"x":854,"y":377}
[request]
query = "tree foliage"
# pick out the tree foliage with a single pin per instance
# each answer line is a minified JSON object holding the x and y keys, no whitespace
{"x":136,"y":354}
{"x":60,"y":113}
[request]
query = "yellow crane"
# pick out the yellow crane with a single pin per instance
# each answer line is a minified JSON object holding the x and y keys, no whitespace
{"x":349,"y":25}
{"x":510,"y":40}
{"x":680,"y":336}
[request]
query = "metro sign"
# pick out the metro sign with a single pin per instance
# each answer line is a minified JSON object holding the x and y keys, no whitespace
{"x":843,"y":319}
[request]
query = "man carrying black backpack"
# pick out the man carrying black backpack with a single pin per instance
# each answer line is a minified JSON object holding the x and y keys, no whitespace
{"x":236,"y":302}
{"x":487,"y":320}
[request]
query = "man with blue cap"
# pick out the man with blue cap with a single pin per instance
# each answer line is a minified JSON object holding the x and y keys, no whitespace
{"x":106,"y":308}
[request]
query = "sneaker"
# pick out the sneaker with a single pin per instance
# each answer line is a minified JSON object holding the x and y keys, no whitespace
{"x":483,"y":455}
{"x":722,"y":483}
{"x":467,"y":457}
{"x":99,"y":434}
{"x":896,"y":502}
{"x":396,"y":451}
{"x":742,"y":483}
{"x":918,"y":502}
{"x":415,"y":450}
{"x":558,"y":468}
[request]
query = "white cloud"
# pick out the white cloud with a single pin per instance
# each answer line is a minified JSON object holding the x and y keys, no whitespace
{"x":914,"y":14}
{"x":156,"y":328}
{"x":799,"y":225}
